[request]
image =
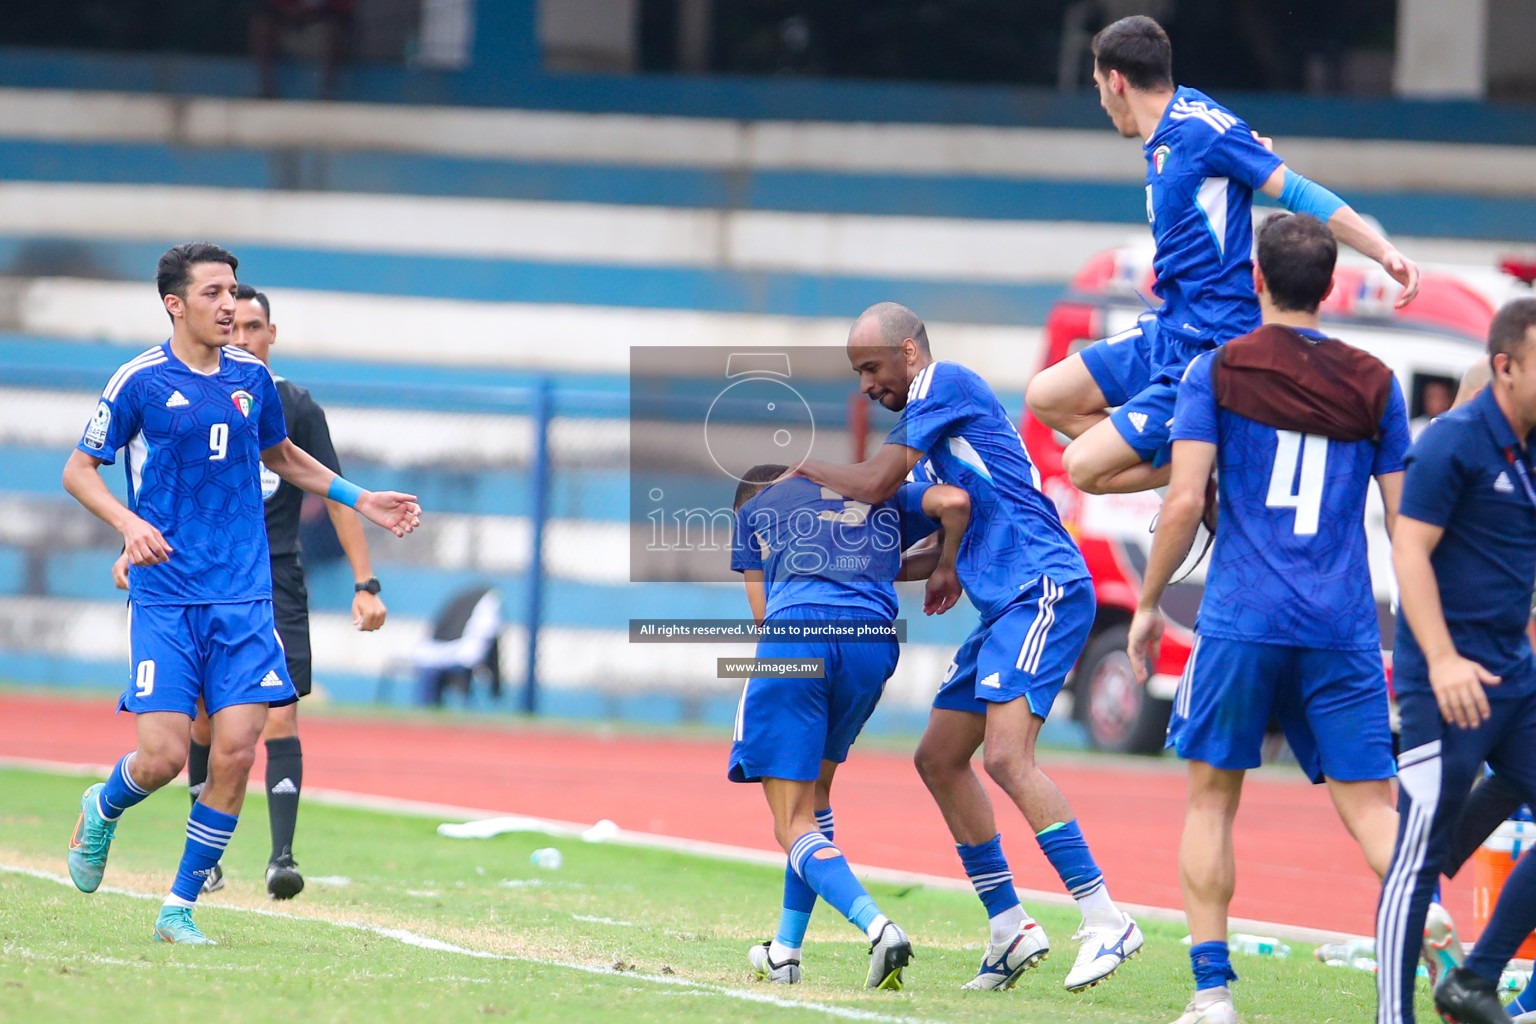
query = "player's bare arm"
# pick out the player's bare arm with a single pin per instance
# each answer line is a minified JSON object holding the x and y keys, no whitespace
{"x":368,"y":610}
{"x":1183,"y":506}
{"x":1391,"y":487}
{"x":1351,"y":229}
{"x":142,"y":543}
{"x":757,"y":594}
{"x":951,"y":507}
{"x":874,"y":480}
{"x":1458,"y":682}
{"x":396,"y":512}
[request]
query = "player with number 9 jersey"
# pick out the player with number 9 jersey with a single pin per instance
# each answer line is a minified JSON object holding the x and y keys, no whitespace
{"x":191,"y":446}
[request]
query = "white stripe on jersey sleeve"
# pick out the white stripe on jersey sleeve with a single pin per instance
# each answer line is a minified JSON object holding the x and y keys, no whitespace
{"x":139,"y":362}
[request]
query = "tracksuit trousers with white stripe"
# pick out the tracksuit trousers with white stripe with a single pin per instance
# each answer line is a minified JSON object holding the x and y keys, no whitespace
{"x":1436,"y":769}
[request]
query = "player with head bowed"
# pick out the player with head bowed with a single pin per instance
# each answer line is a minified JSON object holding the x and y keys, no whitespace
{"x":1203,"y":167}
{"x":1028,"y":580}
{"x":1463,"y":668}
{"x":196,"y":419}
{"x":813,"y":561}
{"x":1295,"y":426}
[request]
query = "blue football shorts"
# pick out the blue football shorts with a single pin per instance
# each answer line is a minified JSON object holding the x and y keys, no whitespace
{"x":1142,"y":396}
{"x":1027,"y":651}
{"x":226,"y":654}
{"x":785,"y":728}
{"x":1331,"y":705}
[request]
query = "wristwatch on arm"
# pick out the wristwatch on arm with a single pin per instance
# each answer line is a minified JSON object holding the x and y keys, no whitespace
{"x":370,"y":585}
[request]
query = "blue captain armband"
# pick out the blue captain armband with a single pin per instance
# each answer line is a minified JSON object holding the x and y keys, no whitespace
{"x":344,"y":491}
{"x":1302,"y":195}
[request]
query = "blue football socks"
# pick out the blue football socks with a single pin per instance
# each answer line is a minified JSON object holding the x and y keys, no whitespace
{"x":1064,"y":846}
{"x":799,"y":901}
{"x":833,"y":881}
{"x":988,"y":871}
{"x":1212,"y":964}
{"x":208,"y":833}
{"x":120,"y":792}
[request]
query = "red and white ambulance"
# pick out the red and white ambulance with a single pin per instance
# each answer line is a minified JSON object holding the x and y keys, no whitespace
{"x":1428,"y":344}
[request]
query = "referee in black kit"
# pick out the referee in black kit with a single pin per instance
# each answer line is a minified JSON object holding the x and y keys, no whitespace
{"x":1464,"y":548}
{"x":255,"y":333}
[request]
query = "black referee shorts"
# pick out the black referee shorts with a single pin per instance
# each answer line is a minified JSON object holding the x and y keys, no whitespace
{"x":290,"y":607}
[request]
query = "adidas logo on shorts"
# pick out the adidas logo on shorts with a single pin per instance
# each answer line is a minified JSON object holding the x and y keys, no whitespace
{"x":992,"y":681}
{"x":271,"y":679}
{"x":176,"y":401}
{"x":1138,"y":420}
{"x":285,"y":786}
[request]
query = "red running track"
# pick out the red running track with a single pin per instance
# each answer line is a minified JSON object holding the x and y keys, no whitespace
{"x":1296,"y":864}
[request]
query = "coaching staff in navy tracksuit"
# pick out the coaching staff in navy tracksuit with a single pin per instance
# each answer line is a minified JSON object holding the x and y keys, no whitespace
{"x":1465,"y":552}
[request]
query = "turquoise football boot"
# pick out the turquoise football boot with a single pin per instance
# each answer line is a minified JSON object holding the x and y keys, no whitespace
{"x":92,"y":840}
{"x":175,"y":925}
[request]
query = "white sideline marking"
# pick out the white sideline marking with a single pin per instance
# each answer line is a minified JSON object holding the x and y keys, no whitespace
{"x":603,"y":920}
{"x":411,"y":938}
{"x":718,"y":851}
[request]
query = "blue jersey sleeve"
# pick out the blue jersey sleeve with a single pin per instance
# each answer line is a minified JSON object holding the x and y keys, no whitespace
{"x":1194,"y":414}
{"x":1236,"y":154}
{"x":745,"y":551}
{"x":114,"y":422}
{"x":1392,"y":449}
{"x":271,"y":427}
{"x":1435,"y":475}
{"x":914,"y":524}
{"x":936,"y":403}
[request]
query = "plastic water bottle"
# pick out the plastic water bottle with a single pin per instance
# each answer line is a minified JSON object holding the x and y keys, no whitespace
{"x":1257,"y":945}
{"x":1346,"y":951}
{"x":546,"y":857}
{"x":1514,"y":980}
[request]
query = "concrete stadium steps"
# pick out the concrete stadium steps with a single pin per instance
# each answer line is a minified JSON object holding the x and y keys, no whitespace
{"x":712,"y":143}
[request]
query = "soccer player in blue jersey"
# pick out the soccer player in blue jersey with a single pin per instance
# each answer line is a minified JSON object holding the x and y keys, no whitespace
{"x":1029,"y":582}
{"x":1203,"y":167}
{"x":196,"y":419}
{"x":813,"y":559}
{"x":1297,"y":426}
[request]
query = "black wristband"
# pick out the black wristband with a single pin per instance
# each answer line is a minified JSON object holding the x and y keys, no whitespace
{"x":370,"y":586}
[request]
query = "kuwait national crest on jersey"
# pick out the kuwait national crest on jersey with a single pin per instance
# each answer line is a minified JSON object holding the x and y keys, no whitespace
{"x":243,"y":401}
{"x":1159,"y":158}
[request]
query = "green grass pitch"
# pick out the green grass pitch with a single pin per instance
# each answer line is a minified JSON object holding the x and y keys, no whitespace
{"x":401,"y":925}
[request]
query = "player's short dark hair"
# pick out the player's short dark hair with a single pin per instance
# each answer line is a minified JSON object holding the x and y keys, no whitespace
{"x":247,"y":291}
{"x":1296,"y":254}
{"x":1511,"y":327}
{"x":1138,"y":48}
{"x":174,"y":271}
{"x":755,"y":480}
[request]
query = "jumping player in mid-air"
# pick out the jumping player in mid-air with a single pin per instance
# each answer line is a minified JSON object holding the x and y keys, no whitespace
{"x":1203,"y":167}
{"x":197,"y":419}
{"x":812,"y":558}
{"x":1028,"y":580}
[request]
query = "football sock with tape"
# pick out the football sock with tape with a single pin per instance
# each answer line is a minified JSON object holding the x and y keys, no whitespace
{"x":1212,"y":964}
{"x":833,"y":881}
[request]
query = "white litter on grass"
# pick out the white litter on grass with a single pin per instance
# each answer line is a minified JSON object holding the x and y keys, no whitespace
{"x":520,"y":883}
{"x":337,"y":880}
{"x":603,"y":920}
{"x":601,"y":832}
{"x":423,"y":893}
{"x":411,"y":938}
{"x":485,"y":828}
